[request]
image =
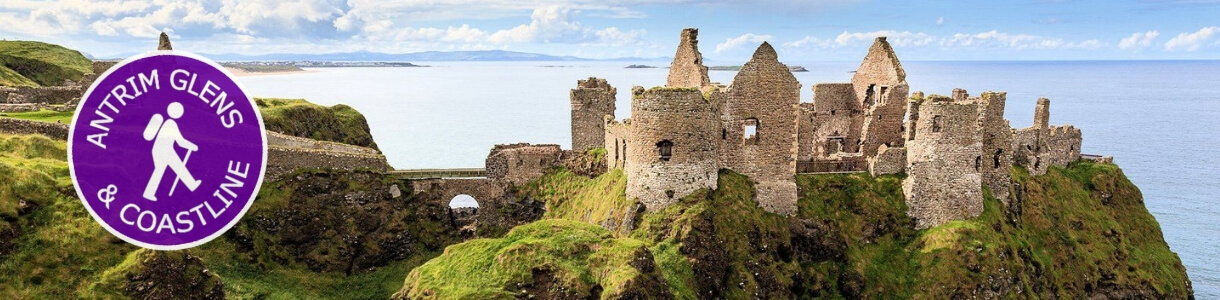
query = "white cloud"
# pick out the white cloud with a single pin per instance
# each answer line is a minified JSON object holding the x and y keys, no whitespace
{"x":1138,"y":40}
{"x":735,"y":42}
{"x":940,"y":20}
{"x":996,"y":39}
{"x":555,"y":24}
{"x":1191,"y":41}
{"x":897,"y":38}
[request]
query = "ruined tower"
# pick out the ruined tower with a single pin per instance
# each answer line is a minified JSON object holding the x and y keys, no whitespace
{"x":163,"y":44}
{"x":881,"y":88}
{"x":1040,"y":146}
{"x":997,"y":144}
{"x":687,"y":69}
{"x":943,"y":164}
{"x":760,"y":126}
{"x":673,"y":145}
{"x":592,"y":100}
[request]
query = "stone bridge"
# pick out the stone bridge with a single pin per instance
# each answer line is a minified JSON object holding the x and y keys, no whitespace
{"x":485,"y":191}
{"x":440,"y":173}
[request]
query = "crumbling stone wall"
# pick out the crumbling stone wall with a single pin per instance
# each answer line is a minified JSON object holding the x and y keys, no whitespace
{"x":1040,"y":146}
{"x":683,"y":122}
{"x":287,"y":154}
{"x":592,"y":100}
{"x":282,"y":161}
{"x":835,"y":111}
{"x":18,"y":126}
{"x":882,"y":122}
{"x":616,"y":142}
{"x":522,"y":162}
{"x":760,"y":134}
{"x":442,"y":191}
{"x":997,"y":144}
{"x":879,"y":68}
{"x":44,"y":95}
{"x":687,"y":69}
{"x":943,"y":181}
{"x":888,"y":161}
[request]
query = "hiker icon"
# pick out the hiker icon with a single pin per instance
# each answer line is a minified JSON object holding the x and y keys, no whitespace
{"x":164,"y":134}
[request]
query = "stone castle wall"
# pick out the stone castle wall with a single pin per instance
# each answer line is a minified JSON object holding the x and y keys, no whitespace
{"x":1041,"y":146}
{"x":287,"y":154}
{"x":592,"y":100}
{"x":997,"y":144}
{"x":834,"y":113}
{"x":882,"y":122}
{"x":520,"y":163}
{"x":687,"y":69}
{"x":888,"y":161}
{"x":616,"y":142}
{"x":684,"y":119}
{"x":764,"y":99}
{"x":880,"y":67}
{"x":943,"y":181}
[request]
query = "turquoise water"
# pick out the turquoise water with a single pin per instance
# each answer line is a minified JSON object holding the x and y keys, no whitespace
{"x":1159,"y":119}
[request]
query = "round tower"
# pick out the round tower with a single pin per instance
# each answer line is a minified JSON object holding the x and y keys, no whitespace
{"x":673,"y":145}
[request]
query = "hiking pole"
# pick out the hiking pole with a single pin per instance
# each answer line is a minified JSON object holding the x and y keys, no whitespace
{"x":177,"y":177}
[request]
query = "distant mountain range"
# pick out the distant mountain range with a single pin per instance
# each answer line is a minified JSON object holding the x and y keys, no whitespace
{"x":486,"y":55}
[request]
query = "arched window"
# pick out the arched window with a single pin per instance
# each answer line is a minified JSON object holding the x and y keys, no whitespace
{"x":665,"y":149}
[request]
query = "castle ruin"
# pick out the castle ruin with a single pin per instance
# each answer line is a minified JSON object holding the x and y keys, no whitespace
{"x":680,"y":135}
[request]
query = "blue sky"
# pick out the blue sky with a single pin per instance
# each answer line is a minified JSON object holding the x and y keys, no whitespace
{"x":729,"y":30}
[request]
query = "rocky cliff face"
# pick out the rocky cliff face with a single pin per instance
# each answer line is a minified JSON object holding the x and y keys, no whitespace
{"x":1076,"y":232}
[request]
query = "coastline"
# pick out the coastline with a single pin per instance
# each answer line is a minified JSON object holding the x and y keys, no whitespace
{"x":243,"y":73}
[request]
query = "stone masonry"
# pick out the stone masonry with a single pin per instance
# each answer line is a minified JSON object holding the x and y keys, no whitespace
{"x":996,"y":153}
{"x":943,"y":181}
{"x":1040,"y":146}
{"x":520,"y":163}
{"x":674,"y":138}
{"x":592,"y":100}
{"x":687,"y":69}
{"x":759,"y":136}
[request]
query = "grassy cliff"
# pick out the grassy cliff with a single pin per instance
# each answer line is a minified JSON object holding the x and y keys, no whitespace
{"x":1077,"y":232}
{"x":297,"y":117}
{"x":26,"y":63}
{"x":316,"y":234}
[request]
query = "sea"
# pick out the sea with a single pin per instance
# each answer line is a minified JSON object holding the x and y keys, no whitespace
{"x":1159,"y":119}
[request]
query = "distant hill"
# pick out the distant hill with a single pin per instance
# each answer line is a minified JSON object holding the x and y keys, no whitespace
{"x":27,"y":63}
{"x":487,"y":55}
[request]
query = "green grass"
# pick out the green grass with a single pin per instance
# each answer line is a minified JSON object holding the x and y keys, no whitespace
{"x":297,"y":117}
{"x":1075,"y":232}
{"x":41,"y":63}
{"x":61,"y":252}
{"x":44,"y":115}
{"x":583,"y":257}
{"x":8,"y":77}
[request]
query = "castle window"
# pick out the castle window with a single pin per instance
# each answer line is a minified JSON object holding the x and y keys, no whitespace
{"x":616,"y":150}
{"x":978,"y":163}
{"x":998,"y":153}
{"x":724,"y":134}
{"x":937,"y":123}
{"x":665,"y":149}
{"x":868,"y":95}
{"x":750,"y":132}
{"x":882,"y":94}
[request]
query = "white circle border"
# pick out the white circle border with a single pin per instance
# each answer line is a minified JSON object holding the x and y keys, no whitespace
{"x":253,"y":194}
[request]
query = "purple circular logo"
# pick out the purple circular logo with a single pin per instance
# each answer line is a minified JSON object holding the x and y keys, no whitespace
{"x":167,"y":151}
